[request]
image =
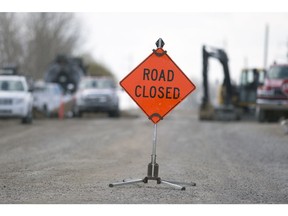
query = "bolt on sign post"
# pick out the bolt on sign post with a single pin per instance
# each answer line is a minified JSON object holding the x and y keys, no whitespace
{"x":157,"y":85}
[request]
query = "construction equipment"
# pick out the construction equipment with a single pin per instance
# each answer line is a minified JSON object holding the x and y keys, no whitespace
{"x":250,"y":80}
{"x":67,"y":72}
{"x":272,"y":96}
{"x":9,"y":69}
{"x":228,"y":95}
{"x":233,"y":101}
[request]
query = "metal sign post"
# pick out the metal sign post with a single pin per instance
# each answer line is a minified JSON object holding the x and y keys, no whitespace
{"x":153,"y":170}
{"x":156,"y":84}
{"x":153,"y":167}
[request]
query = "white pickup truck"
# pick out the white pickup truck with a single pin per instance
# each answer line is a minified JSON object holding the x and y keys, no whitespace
{"x":48,"y":97}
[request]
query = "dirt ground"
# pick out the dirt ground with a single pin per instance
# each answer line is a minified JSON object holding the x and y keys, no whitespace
{"x":72,"y":161}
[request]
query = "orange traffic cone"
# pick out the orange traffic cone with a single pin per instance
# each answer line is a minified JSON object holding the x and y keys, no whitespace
{"x":61,"y":110}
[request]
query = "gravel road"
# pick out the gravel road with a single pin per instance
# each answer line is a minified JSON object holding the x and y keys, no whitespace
{"x":74,"y":160}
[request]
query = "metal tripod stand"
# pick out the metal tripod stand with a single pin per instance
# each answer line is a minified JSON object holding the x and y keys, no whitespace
{"x":153,"y":169}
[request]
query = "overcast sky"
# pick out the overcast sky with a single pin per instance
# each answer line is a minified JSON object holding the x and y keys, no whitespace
{"x":123,"y":40}
{"x":122,"y":33}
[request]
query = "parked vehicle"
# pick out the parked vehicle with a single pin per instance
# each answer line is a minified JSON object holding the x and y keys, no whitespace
{"x":250,"y":80}
{"x":48,"y":98}
{"x":97,"y":94}
{"x":233,"y":102}
{"x":15,"y":98}
{"x":272,"y":96}
{"x":226,"y":108}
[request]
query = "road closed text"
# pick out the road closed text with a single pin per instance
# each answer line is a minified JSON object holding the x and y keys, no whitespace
{"x":155,"y":91}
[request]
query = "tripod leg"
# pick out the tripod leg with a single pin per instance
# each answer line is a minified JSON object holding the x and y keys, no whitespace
{"x":173,"y":185}
{"x":183,"y":183}
{"x":126,"y":182}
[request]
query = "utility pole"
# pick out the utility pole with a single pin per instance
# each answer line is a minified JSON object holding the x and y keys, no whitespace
{"x":266,"y":46}
{"x":245,"y":62}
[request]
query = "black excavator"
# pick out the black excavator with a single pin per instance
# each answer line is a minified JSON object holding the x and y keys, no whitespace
{"x":67,"y":72}
{"x":228,"y":93}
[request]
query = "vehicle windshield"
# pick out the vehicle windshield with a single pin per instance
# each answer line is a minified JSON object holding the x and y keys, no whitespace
{"x":56,"y":90}
{"x":97,"y":84}
{"x":278,"y":72}
{"x":11,"y":85}
{"x":48,"y":90}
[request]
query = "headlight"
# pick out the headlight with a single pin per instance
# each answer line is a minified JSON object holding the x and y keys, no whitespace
{"x":83,"y":97}
{"x":79,"y":99}
{"x":19,"y":100}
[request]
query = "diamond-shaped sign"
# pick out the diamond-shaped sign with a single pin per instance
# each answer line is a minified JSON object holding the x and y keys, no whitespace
{"x":157,"y":85}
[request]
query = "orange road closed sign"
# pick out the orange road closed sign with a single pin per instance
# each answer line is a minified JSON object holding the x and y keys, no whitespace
{"x":157,"y":85}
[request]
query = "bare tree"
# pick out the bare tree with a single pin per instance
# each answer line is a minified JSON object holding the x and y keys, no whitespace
{"x":49,"y":34}
{"x":33,"y":40}
{"x":94,"y":68}
{"x":11,"y":49}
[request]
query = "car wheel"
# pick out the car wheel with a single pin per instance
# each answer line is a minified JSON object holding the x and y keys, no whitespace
{"x":114,"y":113}
{"x":272,"y":116}
{"x":28,"y":118}
{"x":77,"y":113}
{"x":261,"y":115}
{"x":80,"y":114}
{"x":46,"y":111}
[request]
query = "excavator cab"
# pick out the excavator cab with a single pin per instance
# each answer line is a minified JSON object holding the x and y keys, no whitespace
{"x":228,"y":95}
{"x":250,"y":80}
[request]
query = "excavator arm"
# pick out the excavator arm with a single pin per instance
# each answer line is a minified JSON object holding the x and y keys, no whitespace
{"x":222,"y":57}
{"x":207,"y":111}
